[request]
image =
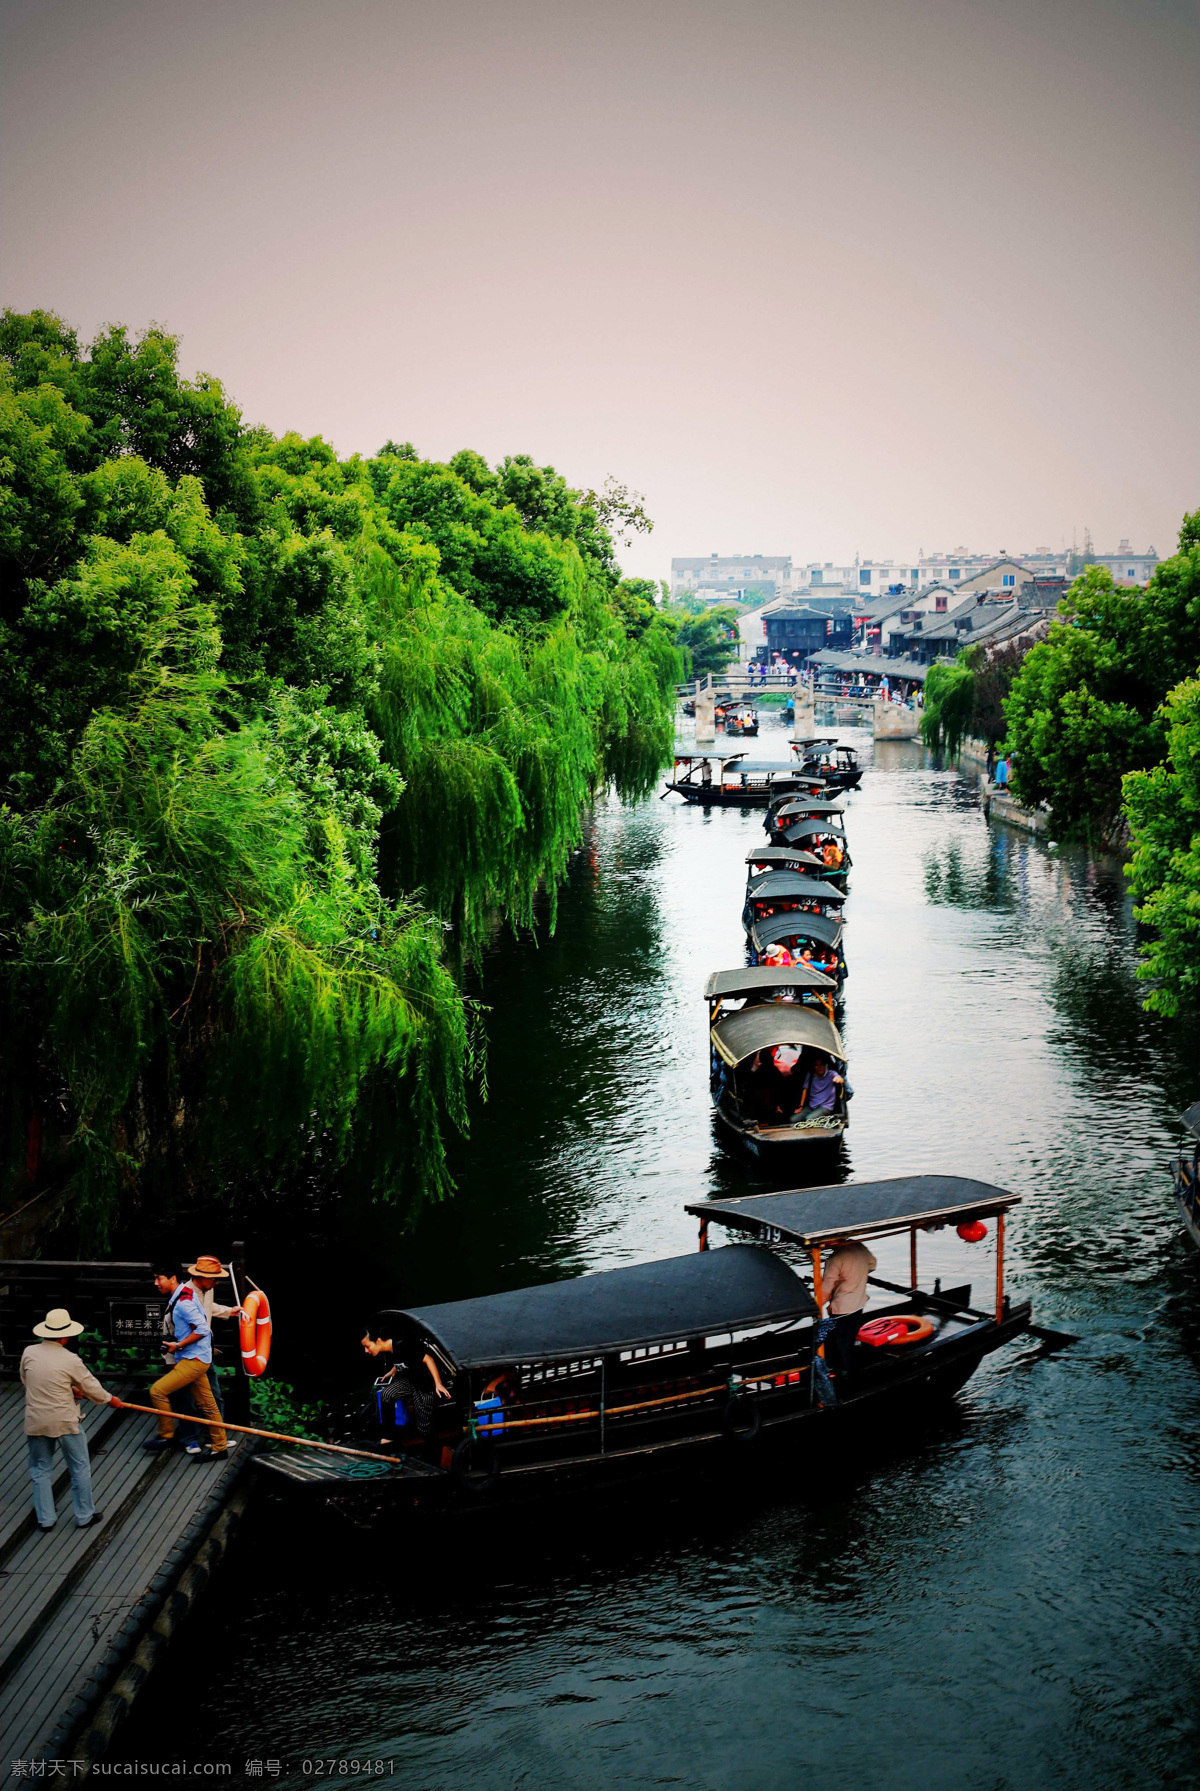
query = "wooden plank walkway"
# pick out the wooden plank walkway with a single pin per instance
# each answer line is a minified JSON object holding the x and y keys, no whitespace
{"x":74,"y":1602}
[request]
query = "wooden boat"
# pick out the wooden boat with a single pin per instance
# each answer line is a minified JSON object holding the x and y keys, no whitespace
{"x":795,"y":858}
{"x":785,"y":811}
{"x":683,"y":1365}
{"x":785,"y":892}
{"x":761,"y":1053}
{"x":1186,"y":1173}
{"x":738,"y":719}
{"x":838,"y":765}
{"x":731,"y":780}
{"x":820,"y":836}
{"x":818,"y":934}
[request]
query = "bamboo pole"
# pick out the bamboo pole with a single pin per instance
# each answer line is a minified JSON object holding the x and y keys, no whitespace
{"x":272,"y":1436}
{"x":999,"y":1268}
{"x":912,"y":1256}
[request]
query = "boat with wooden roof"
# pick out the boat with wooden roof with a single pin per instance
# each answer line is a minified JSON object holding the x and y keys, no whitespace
{"x":763,"y":1054}
{"x":820,"y":935}
{"x":687,"y":1364}
{"x":837,"y":764}
{"x":738,"y":718}
{"x":795,"y":858}
{"x":786,"y":811}
{"x":827,"y":838}
{"x":787,"y":892}
{"x":732,"y":780}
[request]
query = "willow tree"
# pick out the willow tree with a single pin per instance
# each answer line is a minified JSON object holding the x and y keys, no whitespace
{"x":281,"y":728}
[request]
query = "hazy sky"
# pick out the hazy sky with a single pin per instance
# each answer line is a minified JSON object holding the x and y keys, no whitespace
{"x":816,"y":276}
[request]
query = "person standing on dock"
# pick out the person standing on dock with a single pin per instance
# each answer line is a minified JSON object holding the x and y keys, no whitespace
{"x":167,"y":1283}
{"x":191,"y":1351}
{"x":54,"y":1379}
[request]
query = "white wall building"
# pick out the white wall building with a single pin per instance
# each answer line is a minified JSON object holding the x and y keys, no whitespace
{"x":1129,"y":568}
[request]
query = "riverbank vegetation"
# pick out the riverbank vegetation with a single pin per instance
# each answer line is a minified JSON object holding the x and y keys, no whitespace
{"x":1102,"y":725}
{"x":284,"y":735}
{"x":1102,"y":720}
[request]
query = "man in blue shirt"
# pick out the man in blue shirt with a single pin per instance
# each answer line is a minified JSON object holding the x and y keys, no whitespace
{"x":190,"y":1350}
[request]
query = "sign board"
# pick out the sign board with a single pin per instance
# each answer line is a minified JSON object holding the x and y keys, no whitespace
{"x":135,"y":1321}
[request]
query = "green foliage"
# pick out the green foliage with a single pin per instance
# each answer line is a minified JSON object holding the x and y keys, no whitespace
{"x":1085,"y":707}
{"x":275,"y":1405}
{"x":280,"y":728}
{"x":1163,"y":806}
{"x":949,"y":705}
{"x":707,"y":637}
{"x":995,"y":670}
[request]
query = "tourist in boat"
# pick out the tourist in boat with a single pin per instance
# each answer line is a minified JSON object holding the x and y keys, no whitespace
{"x":832,"y":854}
{"x":54,"y":1379}
{"x":406,"y":1394}
{"x":844,"y":1284}
{"x":821,"y":1086}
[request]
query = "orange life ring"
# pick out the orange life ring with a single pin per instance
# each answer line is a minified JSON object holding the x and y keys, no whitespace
{"x":905,"y":1327}
{"x":254,"y":1331}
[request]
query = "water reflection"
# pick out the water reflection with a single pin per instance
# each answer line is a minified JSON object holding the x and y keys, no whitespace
{"x":1004,"y":1590}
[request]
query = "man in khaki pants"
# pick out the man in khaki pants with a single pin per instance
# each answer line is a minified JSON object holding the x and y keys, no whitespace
{"x":191,"y":1353}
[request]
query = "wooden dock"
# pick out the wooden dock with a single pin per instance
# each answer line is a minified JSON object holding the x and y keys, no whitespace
{"x":77,"y":1603}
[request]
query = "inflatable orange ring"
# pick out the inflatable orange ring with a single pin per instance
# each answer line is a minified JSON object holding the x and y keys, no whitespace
{"x":255,"y":1332}
{"x":904,"y":1327}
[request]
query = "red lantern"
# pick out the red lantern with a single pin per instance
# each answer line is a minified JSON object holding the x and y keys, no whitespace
{"x":973,"y":1231}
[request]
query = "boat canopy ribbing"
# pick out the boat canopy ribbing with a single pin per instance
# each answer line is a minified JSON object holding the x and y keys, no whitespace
{"x":728,"y":984}
{"x":702,"y":1294}
{"x":812,"y":1216}
{"x":738,"y":1036}
{"x":804,"y":830}
{"x":808,"y":805}
{"x":791,"y":883}
{"x":822,"y":927}
{"x":783,"y":856}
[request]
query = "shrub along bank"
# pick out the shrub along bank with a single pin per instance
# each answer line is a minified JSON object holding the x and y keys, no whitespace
{"x":283,"y":733}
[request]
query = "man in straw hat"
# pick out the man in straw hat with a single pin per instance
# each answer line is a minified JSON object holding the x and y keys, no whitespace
{"x":190,"y":1349}
{"x":54,"y":1378}
{"x":192,"y":1437}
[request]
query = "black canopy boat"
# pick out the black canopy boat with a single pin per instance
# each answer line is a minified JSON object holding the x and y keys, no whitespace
{"x":682,"y":1364}
{"x":826,"y":838}
{"x":786,"y":892}
{"x":731,"y":780}
{"x":838,"y":765}
{"x":794,"y":858}
{"x":762,"y":1057}
{"x":785,"y":811}
{"x":1186,"y":1173}
{"x":738,"y":718}
{"x":820,"y":935}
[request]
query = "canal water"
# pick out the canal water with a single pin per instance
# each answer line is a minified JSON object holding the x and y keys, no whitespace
{"x":1004,"y":1594}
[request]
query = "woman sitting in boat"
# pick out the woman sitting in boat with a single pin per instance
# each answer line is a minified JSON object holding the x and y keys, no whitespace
{"x":405,"y":1395}
{"x":778,"y":955}
{"x":832,"y":854}
{"x":826,"y":963}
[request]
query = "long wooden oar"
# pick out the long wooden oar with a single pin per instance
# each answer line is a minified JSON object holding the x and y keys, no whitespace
{"x":272,"y":1436}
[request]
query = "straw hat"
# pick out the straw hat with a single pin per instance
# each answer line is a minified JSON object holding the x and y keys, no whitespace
{"x":209,"y":1267}
{"x":58,"y":1323}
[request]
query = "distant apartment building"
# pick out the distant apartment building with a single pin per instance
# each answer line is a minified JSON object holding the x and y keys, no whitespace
{"x":726,"y":578}
{"x":1127,"y":567}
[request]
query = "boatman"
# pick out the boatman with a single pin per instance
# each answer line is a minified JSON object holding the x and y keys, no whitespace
{"x":190,"y":1350}
{"x":844,"y":1284}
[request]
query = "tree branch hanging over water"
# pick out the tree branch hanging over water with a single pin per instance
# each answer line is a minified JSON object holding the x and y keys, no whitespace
{"x":279,"y":729}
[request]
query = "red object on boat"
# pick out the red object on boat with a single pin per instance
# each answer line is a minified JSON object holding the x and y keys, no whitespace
{"x":973,"y":1231}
